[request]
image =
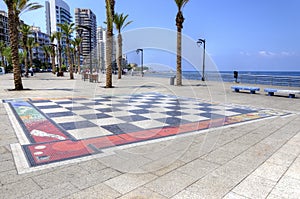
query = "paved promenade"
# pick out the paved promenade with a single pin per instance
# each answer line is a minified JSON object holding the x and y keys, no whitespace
{"x":254,"y":153}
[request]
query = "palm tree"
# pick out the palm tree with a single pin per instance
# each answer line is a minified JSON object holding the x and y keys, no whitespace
{"x":58,"y":36}
{"x":52,"y":53}
{"x":77,"y":45}
{"x":110,"y":7}
{"x":120,"y":24}
{"x":179,"y":23}
{"x":30,"y":45}
{"x":2,"y":49}
{"x":15,"y":8}
{"x":68,"y":30}
{"x":25,"y":30}
{"x":47,"y":51}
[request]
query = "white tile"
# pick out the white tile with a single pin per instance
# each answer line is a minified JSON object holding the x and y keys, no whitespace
{"x":106,"y":121}
{"x":146,"y":124}
{"x":85,"y":112}
{"x":54,"y":110}
{"x":43,"y":104}
{"x":74,"y":118}
{"x":88,"y":133}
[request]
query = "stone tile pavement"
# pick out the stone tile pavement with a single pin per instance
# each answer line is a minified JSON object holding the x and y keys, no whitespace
{"x":251,"y":160}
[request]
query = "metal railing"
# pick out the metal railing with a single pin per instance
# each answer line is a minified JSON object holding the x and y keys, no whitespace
{"x":289,"y":81}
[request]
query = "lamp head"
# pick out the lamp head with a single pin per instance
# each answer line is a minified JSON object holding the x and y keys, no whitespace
{"x":138,"y":50}
{"x":200,"y":42}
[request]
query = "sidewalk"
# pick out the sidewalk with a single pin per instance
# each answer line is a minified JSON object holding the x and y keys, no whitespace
{"x":257,"y":159}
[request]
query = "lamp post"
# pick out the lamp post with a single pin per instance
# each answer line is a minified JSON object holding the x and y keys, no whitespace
{"x":79,"y":31}
{"x":142,"y":60}
{"x":200,"y":42}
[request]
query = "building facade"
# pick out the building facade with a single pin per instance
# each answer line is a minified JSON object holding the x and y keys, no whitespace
{"x":101,"y":41}
{"x":85,"y":17}
{"x":42,"y":39}
{"x":101,"y":48}
{"x":57,"y":12}
{"x":4,"y":31}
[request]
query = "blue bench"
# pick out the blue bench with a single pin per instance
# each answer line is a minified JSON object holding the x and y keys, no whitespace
{"x":247,"y":88}
{"x":291,"y":93}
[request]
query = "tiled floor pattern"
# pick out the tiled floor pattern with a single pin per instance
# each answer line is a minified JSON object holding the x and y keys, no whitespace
{"x":59,"y":129}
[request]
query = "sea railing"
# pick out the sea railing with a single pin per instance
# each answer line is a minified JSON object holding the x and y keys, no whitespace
{"x":289,"y":81}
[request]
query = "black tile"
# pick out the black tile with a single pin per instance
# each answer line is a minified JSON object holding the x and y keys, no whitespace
{"x":145,"y":106}
{"x":173,"y":121}
{"x":65,"y":102}
{"x":77,"y":125}
{"x":40,"y":101}
{"x":140,"y":111}
{"x":212,"y":115}
{"x":60,"y":114}
{"x":88,"y":103}
{"x":174,"y":107}
{"x":133,"y":118}
{"x":107,"y":110}
{"x":207,"y":109}
{"x":204,"y":104}
{"x":241,"y":111}
{"x":78,"y":108}
{"x":173,"y":113}
{"x":48,"y":107}
{"x":122,"y":128}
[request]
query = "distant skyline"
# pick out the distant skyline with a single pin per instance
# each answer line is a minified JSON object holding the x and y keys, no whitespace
{"x":240,"y":34}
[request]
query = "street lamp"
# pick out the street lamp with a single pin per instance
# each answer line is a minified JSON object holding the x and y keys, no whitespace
{"x":200,"y":42}
{"x":142,"y":59}
{"x":80,"y":31}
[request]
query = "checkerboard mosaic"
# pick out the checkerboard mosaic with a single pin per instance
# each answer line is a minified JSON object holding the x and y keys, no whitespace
{"x":60,"y":129}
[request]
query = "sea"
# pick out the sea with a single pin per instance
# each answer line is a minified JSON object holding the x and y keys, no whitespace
{"x":275,"y":78}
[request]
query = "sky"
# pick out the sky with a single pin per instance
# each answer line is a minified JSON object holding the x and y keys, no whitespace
{"x":249,"y":35}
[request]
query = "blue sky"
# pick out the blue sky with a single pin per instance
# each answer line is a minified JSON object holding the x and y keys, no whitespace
{"x":240,"y":34}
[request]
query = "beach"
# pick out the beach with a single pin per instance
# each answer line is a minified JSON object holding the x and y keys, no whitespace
{"x":255,"y":158}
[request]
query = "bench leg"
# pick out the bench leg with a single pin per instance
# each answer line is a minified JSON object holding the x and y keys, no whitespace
{"x":292,"y":95}
{"x":252,"y":92}
{"x":271,"y":93}
{"x":236,"y":90}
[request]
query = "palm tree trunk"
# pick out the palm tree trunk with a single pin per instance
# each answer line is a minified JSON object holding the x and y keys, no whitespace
{"x":53,"y":64}
{"x":14,"y":41}
{"x":78,"y":60}
{"x":110,"y":4}
{"x":59,"y":58}
{"x":26,"y":62}
{"x":119,"y":61}
{"x":178,"y":61}
{"x":70,"y":62}
{"x":31,"y":57}
{"x":108,"y":60}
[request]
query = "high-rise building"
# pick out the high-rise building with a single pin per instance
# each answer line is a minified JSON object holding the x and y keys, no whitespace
{"x":4,"y":31}
{"x":57,"y":12}
{"x":85,"y":17}
{"x":101,"y":42}
{"x":101,"y":48}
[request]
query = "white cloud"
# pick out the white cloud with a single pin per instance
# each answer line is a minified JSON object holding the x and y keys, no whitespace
{"x":287,"y":54}
{"x":266,"y":53}
{"x":245,"y":53}
{"x":277,"y":54}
